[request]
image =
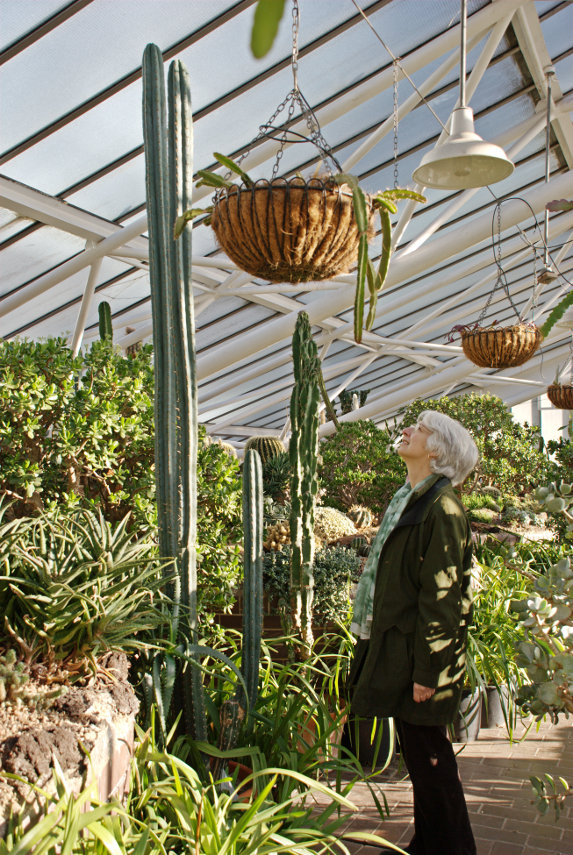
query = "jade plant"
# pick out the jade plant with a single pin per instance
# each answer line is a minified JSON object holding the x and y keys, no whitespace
{"x":364,"y":206}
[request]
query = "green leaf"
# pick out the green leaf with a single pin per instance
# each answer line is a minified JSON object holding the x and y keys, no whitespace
{"x":182,"y":221}
{"x":268,"y":14}
{"x":360,"y":282}
{"x":212,"y":179}
{"x":234,"y":167}
{"x":556,"y":314}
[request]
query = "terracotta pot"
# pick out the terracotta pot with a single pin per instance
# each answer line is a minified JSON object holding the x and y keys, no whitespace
{"x":288,"y":230}
{"x":561,"y":396}
{"x":501,"y":347}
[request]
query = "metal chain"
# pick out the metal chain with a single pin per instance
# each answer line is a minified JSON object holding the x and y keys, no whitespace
{"x":293,"y":99}
{"x":395,"y":68}
{"x":295,"y":29}
{"x":501,"y":277}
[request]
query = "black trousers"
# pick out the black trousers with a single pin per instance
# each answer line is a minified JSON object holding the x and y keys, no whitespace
{"x":441,"y":821}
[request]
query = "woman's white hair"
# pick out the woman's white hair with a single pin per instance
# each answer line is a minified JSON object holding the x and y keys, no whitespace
{"x":455,"y":451}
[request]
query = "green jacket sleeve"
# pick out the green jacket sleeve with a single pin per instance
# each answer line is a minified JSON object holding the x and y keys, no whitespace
{"x":440,"y":598}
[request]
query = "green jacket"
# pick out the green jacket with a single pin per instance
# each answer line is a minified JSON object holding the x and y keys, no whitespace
{"x":422,"y":607}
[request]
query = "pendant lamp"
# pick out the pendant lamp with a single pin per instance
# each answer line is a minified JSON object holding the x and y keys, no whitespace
{"x":464,"y":159}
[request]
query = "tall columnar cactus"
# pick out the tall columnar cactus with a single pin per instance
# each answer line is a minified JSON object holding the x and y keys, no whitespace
{"x":303,"y":452}
{"x":105,"y":327}
{"x":233,"y":710}
{"x":169,"y":174}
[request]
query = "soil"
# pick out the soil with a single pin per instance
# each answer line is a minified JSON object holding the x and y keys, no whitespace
{"x":42,"y":727}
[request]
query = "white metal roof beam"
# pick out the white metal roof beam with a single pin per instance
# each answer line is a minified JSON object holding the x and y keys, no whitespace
{"x":401,"y":270}
{"x":532,"y":44}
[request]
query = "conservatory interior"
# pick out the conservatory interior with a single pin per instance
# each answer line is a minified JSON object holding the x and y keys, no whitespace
{"x":242,"y":244}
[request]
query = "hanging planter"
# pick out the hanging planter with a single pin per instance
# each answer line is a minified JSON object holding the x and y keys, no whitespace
{"x":561,"y":395}
{"x":298,"y":230}
{"x":289,"y":230}
{"x":500,"y":347}
{"x":490,"y":345}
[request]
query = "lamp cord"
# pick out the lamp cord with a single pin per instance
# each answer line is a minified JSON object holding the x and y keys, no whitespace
{"x":401,"y":67}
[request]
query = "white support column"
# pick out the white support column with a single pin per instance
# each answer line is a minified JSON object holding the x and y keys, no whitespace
{"x":86,"y":302}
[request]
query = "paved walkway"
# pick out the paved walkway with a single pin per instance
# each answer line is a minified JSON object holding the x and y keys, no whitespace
{"x":495,"y":775}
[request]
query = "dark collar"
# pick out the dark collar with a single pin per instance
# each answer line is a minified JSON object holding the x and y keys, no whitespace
{"x":415,"y":512}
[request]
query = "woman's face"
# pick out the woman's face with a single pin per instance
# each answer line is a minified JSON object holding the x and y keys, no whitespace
{"x":413,"y":445}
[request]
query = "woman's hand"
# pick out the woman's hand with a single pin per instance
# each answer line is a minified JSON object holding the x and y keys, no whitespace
{"x":422,"y":693}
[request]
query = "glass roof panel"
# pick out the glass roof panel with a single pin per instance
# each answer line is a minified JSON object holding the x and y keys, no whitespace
{"x":50,"y":78}
{"x":19,"y":18}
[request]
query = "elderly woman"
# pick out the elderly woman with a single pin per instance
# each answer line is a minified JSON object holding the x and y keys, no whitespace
{"x":411,"y":613}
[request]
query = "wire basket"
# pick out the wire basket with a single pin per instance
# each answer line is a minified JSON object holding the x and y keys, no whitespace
{"x":501,"y":347}
{"x":561,"y":396}
{"x":288,"y":230}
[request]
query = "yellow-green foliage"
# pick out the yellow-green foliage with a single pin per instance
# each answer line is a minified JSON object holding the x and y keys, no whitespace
{"x":330,"y":524}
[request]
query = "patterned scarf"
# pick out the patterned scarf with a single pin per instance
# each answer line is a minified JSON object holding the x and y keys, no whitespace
{"x":364,"y":599}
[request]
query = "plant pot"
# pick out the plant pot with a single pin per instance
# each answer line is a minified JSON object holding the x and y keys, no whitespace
{"x":370,"y":740}
{"x":561,"y":396}
{"x":288,"y":230}
{"x":467,"y":725}
{"x":497,"y":700}
{"x":501,"y":347}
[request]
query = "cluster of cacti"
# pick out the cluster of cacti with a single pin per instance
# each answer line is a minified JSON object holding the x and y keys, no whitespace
{"x":169,"y":176}
{"x":267,"y":446}
{"x":14,"y":684}
{"x":277,"y":535}
{"x":13,"y":677}
{"x":303,"y":455}
{"x":168,"y":148}
{"x":352,"y":399}
{"x":331,"y":524}
{"x":105,"y":326}
{"x":360,"y":515}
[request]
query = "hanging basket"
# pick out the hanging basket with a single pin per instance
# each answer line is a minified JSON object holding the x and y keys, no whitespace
{"x":288,"y":230}
{"x":501,"y":347}
{"x":561,"y":396}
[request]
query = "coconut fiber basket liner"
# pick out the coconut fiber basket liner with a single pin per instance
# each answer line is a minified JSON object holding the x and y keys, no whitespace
{"x":501,"y":347}
{"x":288,"y":230}
{"x":561,"y":396}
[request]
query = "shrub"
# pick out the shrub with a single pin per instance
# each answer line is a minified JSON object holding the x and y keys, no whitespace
{"x":360,"y":467}
{"x":79,"y":432}
{"x":511,"y":455}
{"x":334,"y":569}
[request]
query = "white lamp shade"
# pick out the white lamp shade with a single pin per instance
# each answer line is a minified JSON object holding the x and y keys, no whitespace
{"x":463,"y":160}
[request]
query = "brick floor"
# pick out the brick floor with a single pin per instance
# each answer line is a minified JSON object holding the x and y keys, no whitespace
{"x":495,"y":774}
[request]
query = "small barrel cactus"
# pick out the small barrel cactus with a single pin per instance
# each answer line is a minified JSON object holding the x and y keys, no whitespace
{"x":360,"y":545}
{"x":330,"y":524}
{"x":360,"y":515}
{"x":267,"y":446}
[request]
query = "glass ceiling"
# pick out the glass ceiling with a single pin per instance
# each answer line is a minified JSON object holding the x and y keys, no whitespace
{"x":72,"y":176}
